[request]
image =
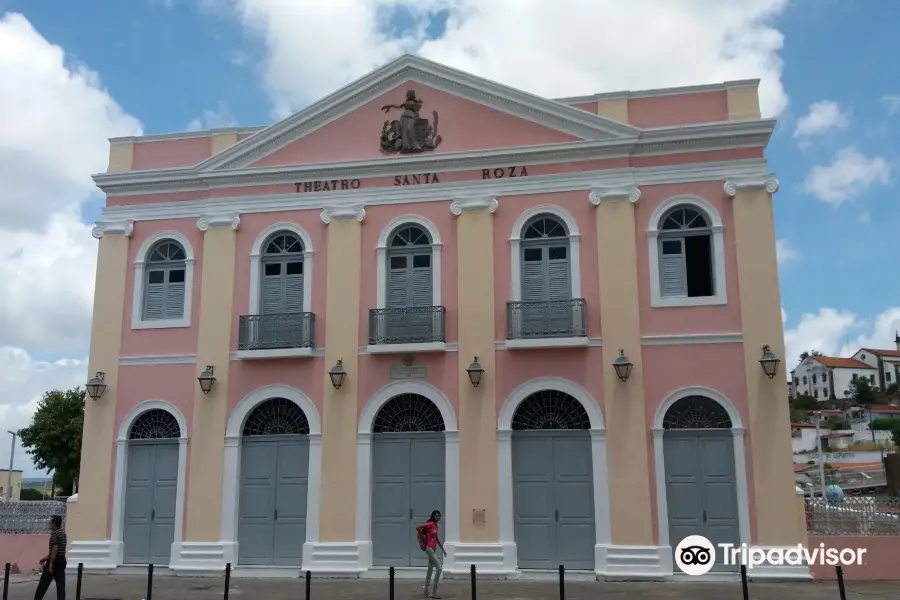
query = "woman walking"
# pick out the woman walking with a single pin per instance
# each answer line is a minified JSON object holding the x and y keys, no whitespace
{"x":430,"y":542}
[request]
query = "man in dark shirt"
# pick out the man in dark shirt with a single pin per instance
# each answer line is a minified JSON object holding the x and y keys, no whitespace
{"x":54,"y":563}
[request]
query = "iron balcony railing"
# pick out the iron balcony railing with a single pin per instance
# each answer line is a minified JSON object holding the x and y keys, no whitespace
{"x":277,"y":332}
{"x":412,"y":325}
{"x":547,"y":319}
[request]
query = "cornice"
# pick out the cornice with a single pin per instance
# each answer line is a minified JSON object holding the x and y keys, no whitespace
{"x":339,"y":213}
{"x":483,"y":203}
{"x":207,"y":222}
{"x":762,"y":182}
{"x":441,"y":192}
{"x":599,"y":194}
{"x":102,"y":228}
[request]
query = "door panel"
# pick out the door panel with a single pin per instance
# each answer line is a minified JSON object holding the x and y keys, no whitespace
{"x":390,"y":500}
{"x":290,"y":502}
{"x":136,"y":533}
{"x":684,"y":496}
{"x":719,"y":490}
{"x":165,"y":485}
{"x":256,"y":508}
{"x":427,"y":455}
{"x":574,"y":494}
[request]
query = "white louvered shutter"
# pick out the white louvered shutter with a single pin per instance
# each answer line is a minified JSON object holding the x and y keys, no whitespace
{"x":272,"y":293}
{"x":535,"y":288}
{"x":155,"y":295}
{"x":420,"y":321}
{"x":558,"y":316}
{"x":672,"y":268}
{"x":293,"y":288}
{"x":175,"y":291}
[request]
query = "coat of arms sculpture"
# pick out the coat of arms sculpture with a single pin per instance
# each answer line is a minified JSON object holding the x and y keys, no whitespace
{"x":410,"y":134}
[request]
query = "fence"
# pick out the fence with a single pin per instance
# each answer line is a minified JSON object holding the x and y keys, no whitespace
{"x":853,"y":516}
{"x":29,"y":517}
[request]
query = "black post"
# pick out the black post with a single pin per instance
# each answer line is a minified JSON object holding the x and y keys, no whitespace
{"x":840,"y":578}
{"x":391,"y":578}
{"x":472,"y":577}
{"x":744,"y":582}
{"x":227,"y":580}
{"x":562,"y":582}
{"x":6,"y":581}
{"x":308,"y":584}
{"x":149,"y":582}
{"x":78,"y":581}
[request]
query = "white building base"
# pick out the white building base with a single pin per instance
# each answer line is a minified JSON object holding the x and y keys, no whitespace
{"x":198,"y":558}
{"x":633,"y":563}
{"x":101,"y":556}
{"x":338,"y":559}
{"x":769,"y":572}
{"x":490,"y":559}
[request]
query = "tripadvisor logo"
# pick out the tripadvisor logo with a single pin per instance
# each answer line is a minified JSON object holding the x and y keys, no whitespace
{"x":696,"y":555}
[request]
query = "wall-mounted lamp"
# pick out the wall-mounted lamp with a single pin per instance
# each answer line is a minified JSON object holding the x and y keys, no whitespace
{"x":622,"y":366}
{"x":96,"y":387}
{"x":207,"y":379}
{"x":769,"y":362}
{"x":475,"y":371}
{"x":337,"y":374}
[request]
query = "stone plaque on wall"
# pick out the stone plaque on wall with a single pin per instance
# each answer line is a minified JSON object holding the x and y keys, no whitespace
{"x":409,"y":371}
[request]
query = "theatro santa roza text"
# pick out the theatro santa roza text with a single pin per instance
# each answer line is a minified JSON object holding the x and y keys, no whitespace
{"x":334,"y":185}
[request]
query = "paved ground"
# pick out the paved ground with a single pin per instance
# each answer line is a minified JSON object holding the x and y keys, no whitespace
{"x":108,"y":587}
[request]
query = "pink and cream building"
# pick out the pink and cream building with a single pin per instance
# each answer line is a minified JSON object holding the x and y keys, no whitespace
{"x":341,"y":271}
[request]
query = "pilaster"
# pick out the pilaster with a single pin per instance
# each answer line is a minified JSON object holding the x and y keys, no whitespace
{"x":341,"y":406}
{"x":774,"y":498}
{"x":215,"y":324}
{"x":626,"y":426}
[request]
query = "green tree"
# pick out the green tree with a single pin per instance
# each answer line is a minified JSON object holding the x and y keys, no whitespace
{"x":895,"y":434}
{"x":808,"y":353}
{"x":861,"y":391}
{"x":804,"y":402}
{"x":53,"y":440}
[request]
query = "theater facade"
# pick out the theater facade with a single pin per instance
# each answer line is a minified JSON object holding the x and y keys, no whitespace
{"x":555,"y":320}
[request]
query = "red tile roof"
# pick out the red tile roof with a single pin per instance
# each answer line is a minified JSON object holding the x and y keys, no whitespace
{"x":894,"y":353}
{"x":835,"y":362}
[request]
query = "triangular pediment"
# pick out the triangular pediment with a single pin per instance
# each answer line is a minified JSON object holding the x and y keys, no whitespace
{"x":472,"y":114}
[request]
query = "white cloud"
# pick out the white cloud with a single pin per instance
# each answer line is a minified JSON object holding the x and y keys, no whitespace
{"x":55,"y":118}
{"x":892,"y":103}
{"x":786,"y":251}
{"x":313,"y":48}
{"x":848,"y":176}
{"x":220,"y":116}
{"x":823,"y":116}
{"x":839,"y":333}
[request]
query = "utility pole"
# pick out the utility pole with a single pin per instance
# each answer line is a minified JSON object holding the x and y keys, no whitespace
{"x":12,"y":453}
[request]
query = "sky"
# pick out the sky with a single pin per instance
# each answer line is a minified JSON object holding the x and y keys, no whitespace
{"x":73,"y":74}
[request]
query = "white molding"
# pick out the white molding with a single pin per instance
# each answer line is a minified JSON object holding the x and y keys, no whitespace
{"x":559,"y":342}
{"x":137,"y":299}
{"x":274,"y":353}
{"x":741,"y":482}
{"x":231,"y":476}
{"x":256,"y":258}
{"x":677,"y":339}
{"x":688,"y":89}
{"x":103,"y":228}
{"x":342,"y":213}
{"x":381,"y":251}
{"x":121,"y":466}
{"x":101,"y":555}
{"x":210,"y":221}
{"x":611,"y":194}
{"x":739,"y":184}
{"x":184,"y":135}
{"x":364,"y":462}
{"x":598,"y":457}
{"x":767,"y":572}
{"x":476,"y":204}
{"x":629,"y":563}
{"x":441,"y":192}
{"x":406,"y":348}
{"x":592,"y":342}
{"x":718,"y":251}
{"x":515,"y":247}
{"x":163,"y":359}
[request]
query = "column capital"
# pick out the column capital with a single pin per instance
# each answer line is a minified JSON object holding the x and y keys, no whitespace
{"x":207,"y":222}
{"x":611,"y":194}
{"x":103,"y":228}
{"x":476,"y":204}
{"x":338,"y":213}
{"x":759,"y":182}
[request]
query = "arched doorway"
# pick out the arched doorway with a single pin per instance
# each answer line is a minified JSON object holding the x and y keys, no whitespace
{"x":151,"y":488}
{"x":700,"y":473}
{"x":553,"y":496}
{"x":274,"y":478}
{"x":408,"y":476}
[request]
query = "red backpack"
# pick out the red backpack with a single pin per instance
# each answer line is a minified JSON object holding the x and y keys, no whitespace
{"x":422,"y":535}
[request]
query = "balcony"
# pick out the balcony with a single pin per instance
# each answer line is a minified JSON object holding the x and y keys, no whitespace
{"x":403,"y":330}
{"x":547,"y":324}
{"x":276,"y":336}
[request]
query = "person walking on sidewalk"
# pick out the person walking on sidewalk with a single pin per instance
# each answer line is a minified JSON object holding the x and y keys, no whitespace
{"x":429,"y":531}
{"x":54,"y":563}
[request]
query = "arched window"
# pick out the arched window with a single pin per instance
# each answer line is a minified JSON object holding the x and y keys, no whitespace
{"x":549,"y":409}
{"x":408,"y":413}
{"x":696,"y":412}
{"x":686,"y":256}
{"x":276,"y":416}
{"x":546,"y":272}
{"x":281,"y":288}
{"x":155,"y":424}
{"x":164,"y":286}
{"x":410,"y":268}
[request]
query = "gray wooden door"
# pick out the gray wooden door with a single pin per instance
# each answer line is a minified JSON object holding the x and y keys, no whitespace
{"x":553,"y":499}
{"x":408,"y":472}
{"x":150,"y":495}
{"x":546,"y":282}
{"x":272,"y":502}
{"x":701,"y":494}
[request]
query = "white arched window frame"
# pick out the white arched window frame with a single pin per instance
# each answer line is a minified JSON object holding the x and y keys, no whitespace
{"x":720,"y":295}
{"x":256,"y":253}
{"x":137,"y":321}
{"x":381,"y":256}
{"x":515,"y":248}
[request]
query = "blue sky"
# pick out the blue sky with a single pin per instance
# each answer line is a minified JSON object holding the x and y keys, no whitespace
{"x":175,"y":64}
